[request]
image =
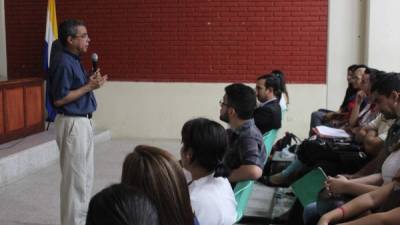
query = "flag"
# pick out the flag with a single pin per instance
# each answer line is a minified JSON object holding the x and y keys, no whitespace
{"x":50,"y":37}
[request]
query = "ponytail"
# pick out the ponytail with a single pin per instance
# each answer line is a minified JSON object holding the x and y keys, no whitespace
{"x":222,"y":170}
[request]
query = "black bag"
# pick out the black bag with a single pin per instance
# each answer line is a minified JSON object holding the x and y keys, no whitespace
{"x":345,"y":156}
{"x":289,"y":139}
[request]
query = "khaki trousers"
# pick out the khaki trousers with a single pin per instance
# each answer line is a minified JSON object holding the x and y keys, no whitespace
{"x":75,"y":142}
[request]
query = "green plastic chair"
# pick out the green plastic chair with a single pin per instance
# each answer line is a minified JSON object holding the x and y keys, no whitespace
{"x":242,"y":192}
{"x":243,"y":189}
{"x":269,"y":139}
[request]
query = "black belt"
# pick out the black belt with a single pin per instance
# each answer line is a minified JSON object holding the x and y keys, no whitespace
{"x":89,"y":115}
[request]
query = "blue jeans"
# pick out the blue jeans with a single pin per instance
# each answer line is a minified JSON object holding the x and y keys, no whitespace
{"x":310,"y":214}
{"x":295,"y":166}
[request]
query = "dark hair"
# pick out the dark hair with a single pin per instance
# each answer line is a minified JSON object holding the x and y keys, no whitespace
{"x":282,"y":82}
{"x":360,"y":66}
{"x":69,"y":28}
{"x":387,"y":84}
{"x":272,"y":81}
{"x":155,"y":172}
{"x":242,"y":98}
{"x":207,"y":140}
{"x":120,"y":204}
{"x":374,"y":75}
{"x":352,"y":68}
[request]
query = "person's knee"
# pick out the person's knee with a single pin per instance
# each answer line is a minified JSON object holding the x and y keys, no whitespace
{"x":310,"y":213}
{"x":317,"y":115}
{"x":317,"y":118}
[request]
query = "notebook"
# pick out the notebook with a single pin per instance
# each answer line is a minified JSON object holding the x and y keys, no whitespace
{"x":307,"y":188}
{"x":325,"y":131}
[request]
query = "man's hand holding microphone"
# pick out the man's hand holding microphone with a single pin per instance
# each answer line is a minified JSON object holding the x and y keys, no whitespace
{"x":96,"y":80}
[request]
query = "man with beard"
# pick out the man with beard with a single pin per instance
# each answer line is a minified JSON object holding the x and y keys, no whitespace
{"x":268,"y":115}
{"x":246,"y":155}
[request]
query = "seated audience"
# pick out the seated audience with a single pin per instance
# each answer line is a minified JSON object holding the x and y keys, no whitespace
{"x":247,"y":155}
{"x":156,"y":173}
{"x":268,"y":115}
{"x":384,"y":95}
{"x":204,"y":144}
{"x":121,"y":205}
{"x":362,"y":118}
{"x":327,"y":117}
{"x":383,"y":90}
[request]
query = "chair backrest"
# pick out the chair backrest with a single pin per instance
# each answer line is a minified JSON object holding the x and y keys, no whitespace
{"x":243,"y":189}
{"x":242,"y":192}
{"x":269,"y":139}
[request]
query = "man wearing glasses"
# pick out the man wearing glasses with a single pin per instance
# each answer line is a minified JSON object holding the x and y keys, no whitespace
{"x":246,"y":155}
{"x":72,"y":97}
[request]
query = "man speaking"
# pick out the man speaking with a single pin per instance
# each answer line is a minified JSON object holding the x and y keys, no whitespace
{"x":73,"y":98}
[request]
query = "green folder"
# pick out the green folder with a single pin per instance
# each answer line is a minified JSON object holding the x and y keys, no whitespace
{"x":307,"y":188}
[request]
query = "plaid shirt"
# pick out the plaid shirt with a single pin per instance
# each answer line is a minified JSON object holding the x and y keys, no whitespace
{"x":246,"y":146}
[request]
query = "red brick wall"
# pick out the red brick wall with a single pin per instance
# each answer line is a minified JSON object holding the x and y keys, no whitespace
{"x":188,"y":40}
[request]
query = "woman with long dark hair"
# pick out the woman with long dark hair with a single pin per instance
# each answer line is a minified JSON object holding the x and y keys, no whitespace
{"x":155,"y":172}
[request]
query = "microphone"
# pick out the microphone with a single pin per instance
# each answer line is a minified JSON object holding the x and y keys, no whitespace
{"x":95,"y":59}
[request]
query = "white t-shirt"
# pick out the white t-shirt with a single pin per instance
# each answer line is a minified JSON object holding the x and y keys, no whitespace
{"x":391,"y":166}
{"x":213,"y":200}
{"x":381,"y":125}
{"x":282,"y":103}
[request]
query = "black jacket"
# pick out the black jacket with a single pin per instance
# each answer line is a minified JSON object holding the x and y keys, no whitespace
{"x":268,"y":116}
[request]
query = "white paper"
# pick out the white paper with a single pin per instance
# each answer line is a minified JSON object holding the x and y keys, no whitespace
{"x":332,"y":132}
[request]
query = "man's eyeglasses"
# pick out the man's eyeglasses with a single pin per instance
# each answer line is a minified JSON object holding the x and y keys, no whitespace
{"x":222,"y":103}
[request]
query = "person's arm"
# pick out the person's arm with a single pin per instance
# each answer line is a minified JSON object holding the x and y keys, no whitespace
{"x":372,"y":143}
{"x":360,"y":134}
{"x":344,"y":186}
{"x":353,"y":120}
{"x":245,"y":172}
{"x":371,"y":126}
{"x":373,"y":179}
{"x":95,"y":82}
{"x":358,"y":205}
{"x":391,"y":217}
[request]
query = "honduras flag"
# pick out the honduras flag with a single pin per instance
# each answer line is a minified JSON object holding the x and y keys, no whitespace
{"x":51,"y":36}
